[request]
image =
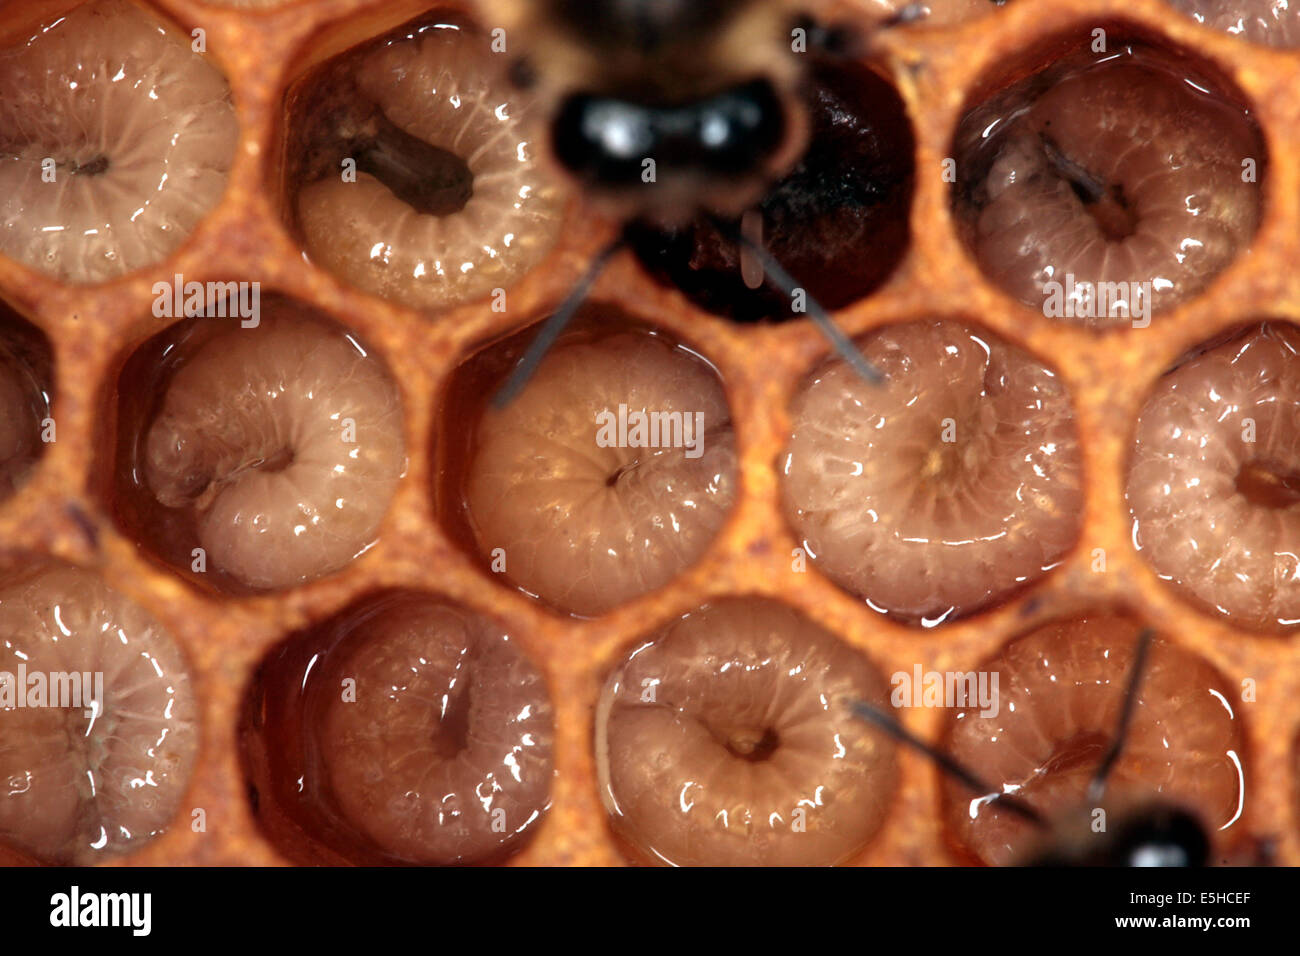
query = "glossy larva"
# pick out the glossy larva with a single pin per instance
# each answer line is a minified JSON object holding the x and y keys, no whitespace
{"x":1107,"y":746}
{"x":1104,"y":190}
{"x":281,"y":444}
{"x":587,"y":516}
{"x":1214,"y":479}
{"x":88,"y":779}
{"x":946,"y":489}
{"x":446,"y":199}
{"x":445,"y":754}
{"x":115,"y":140}
{"x":725,"y":739}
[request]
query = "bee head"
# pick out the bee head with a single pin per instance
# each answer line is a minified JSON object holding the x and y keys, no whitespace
{"x":666,"y":108}
{"x":724,"y":145}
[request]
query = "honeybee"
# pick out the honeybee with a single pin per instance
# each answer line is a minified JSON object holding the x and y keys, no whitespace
{"x":1152,"y":833}
{"x":705,"y":91}
{"x":663,"y":110}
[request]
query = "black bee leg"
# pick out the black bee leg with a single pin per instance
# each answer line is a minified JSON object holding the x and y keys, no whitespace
{"x":554,"y":326}
{"x":776,"y":274}
{"x":1098,"y":785}
{"x":946,"y":763}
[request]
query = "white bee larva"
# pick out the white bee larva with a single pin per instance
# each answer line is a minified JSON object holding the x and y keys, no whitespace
{"x":115,"y":140}
{"x":285,"y":444}
{"x":438,"y":91}
{"x":955,"y":483}
{"x":726,"y":740}
{"x":587,"y":512}
{"x":88,"y":777}
{"x":1214,"y":483}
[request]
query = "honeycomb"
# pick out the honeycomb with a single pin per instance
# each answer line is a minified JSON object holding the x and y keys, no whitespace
{"x":66,"y":507}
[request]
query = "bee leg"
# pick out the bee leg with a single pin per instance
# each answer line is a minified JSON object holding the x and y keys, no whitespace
{"x":947,"y":764}
{"x":778,"y":277}
{"x":554,"y":326}
{"x":1098,"y":785}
